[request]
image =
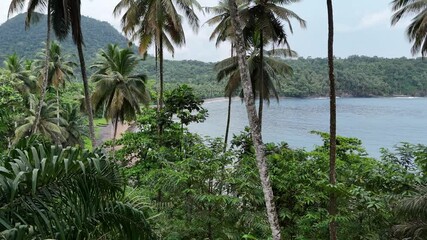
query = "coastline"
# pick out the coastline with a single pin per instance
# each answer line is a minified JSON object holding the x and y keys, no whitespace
{"x":224,"y":99}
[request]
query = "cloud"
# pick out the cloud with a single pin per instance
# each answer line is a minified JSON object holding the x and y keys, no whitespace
{"x":371,"y":20}
{"x":375,"y":19}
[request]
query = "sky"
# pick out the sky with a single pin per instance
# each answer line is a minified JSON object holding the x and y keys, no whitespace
{"x":362,"y":27}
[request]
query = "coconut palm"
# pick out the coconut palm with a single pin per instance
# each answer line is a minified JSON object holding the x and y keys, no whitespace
{"x":223,"y":30}
{"x":262,"y":24}
{"x":76,"y":126}
{"x":66,"y":18}
{"x":417,"y":30}
{"x":332,"y":209}
{"x":265,"y":25}
{"x":47,"y":125}
{"x":117,"y":88}
{"x":254,"y":122}
{"x":47,"y":192}
{"x":16,"y":71}
{"x":158,"y":22}
{"x":60,"y":69}
{"x":17,"y":5}
{"x":274,"y":70}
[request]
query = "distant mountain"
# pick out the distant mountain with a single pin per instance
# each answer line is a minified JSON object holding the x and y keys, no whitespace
{"x":26,"y":43}
{"x":97,"y":34}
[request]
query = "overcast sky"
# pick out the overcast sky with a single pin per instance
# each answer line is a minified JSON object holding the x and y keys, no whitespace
{"x":362,"y":28}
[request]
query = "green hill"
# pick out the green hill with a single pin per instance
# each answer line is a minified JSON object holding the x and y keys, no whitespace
{"x":97,"y":34}
{"x":356,"y":76}
{"x":26,"y":43}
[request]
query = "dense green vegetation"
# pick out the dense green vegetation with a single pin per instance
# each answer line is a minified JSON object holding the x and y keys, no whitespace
{"x":161,"y":181}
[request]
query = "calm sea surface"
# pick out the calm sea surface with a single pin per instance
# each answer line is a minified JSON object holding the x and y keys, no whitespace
{"x":378,"y":122}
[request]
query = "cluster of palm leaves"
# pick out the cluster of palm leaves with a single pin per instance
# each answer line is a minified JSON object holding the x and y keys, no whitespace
{"x":118,"y":90}
{"x":66,"y":193}
{"x":57,"y":122}
{"x":417,"y":30}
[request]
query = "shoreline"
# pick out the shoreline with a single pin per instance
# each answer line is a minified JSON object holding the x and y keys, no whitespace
{"x":223,"y":99}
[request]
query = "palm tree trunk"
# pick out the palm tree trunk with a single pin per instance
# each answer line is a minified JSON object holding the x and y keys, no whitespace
{"x":227,"y":128}
{"x":87,"y":95}
{"x":161,"y":72}
{"x":333,"y":209}
{"x":57,"y":106}
{"x":254,"y":124}
{"x":46,"y":74}
{"x":261,"y":88}
{"x":116,"y":123}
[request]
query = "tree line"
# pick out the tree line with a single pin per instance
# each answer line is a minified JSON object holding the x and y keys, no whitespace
{"x":44,"y":187}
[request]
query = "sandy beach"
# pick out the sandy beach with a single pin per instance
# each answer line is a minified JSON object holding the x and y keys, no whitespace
{"x":107,"y":132}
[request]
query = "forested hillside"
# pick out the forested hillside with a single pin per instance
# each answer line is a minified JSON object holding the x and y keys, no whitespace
{"x":26,"y":43}
{"x":357,"y":76}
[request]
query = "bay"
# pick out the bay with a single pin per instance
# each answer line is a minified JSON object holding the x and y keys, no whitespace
{"x":378,"y":122}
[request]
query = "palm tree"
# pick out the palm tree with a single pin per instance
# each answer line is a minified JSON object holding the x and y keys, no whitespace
{"x":158,"y":22}
{"x":17,"y":5}
{"x":76,"y":125}
{"x":333,"y":208}
{"x":47,"y":125}
{"x":60,"y":69}
{"x":264,"y":25}
{"x":16,"y":72}
{"x":417,"y":30}
{"x":254,"y":122}
{"x":66,"y":17}
{"x":222,"y":32}
{"x":273,"y":70}
{"x":48,"y":192}
{"x":117,"y":88}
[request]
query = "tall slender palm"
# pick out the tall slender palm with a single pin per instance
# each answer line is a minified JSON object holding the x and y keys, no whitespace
{"x":118,"y":88}
{"x":262,"y":24}
{"x":333,"y":209}
{"x":17,"y":5}
{"x":66,"y":17}
{"x":254,"y":122}
{"x":273,"y":70}
{"x":417,"y":30}
{"x":158,"y":22}
{"x":265,"y":25}
{"x":60,"y":69}
{"x":223,"y":32}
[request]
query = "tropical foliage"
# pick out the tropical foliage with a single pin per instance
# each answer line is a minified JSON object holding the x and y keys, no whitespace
{"x":416,"y":31}
{"x":118,"y":90}
{"x":165,"y":182}
{"x":51,"y":192}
